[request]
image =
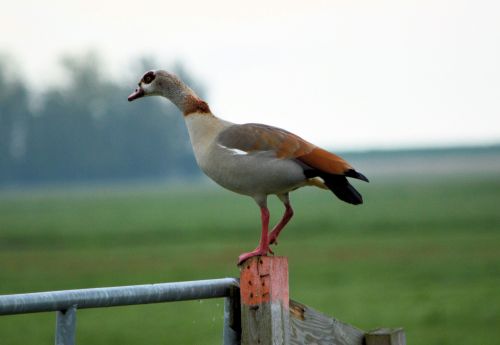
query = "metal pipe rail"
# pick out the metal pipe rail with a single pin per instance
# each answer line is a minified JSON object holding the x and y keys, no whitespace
{"x":65,"y":303}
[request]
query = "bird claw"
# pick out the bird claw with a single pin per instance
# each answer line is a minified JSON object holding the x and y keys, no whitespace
{"x":256,"y":252}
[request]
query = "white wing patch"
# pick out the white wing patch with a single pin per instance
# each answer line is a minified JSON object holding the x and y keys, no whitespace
{"x":235,"y":152}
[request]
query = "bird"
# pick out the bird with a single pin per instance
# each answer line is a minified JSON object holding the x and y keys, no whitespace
{"x":252,"y":159}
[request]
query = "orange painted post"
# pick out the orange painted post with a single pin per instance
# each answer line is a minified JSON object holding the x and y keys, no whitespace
{"x":264,"y":301}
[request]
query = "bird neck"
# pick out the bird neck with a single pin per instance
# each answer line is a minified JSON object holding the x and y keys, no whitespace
{"x":185,"y":99}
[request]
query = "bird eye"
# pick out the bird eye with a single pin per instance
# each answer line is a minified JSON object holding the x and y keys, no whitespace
{"x":148,"y":77}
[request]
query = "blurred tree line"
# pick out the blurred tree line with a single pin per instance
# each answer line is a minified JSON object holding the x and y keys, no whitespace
{"x":86,"y":130}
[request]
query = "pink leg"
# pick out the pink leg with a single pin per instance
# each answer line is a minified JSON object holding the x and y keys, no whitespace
{"x":263,"y":247}
{"x":273,"y":236}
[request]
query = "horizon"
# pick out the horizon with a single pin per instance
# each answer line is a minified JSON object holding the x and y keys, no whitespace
{"x":36,"y":93}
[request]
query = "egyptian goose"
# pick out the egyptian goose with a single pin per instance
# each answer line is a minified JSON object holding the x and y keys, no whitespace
{"x":252,"y":159}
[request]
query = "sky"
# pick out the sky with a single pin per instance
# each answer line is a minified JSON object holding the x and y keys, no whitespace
{"x":350,"y":74}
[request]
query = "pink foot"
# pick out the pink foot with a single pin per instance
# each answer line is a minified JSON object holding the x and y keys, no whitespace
{"x":263,"y":247}
{"x":256,"y":252}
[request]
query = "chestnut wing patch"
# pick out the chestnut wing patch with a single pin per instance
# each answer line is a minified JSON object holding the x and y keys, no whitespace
{"x":254,"y":137}
{"x":316,"y":162}
{"x":325,"y":161}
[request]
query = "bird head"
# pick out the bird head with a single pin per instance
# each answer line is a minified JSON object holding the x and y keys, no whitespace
{"x":162,"y":83}
{"x":147,"y":86}
{"x":158,"y":83}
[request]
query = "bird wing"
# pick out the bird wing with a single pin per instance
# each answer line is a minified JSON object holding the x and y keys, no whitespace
{"x":254,"y":137}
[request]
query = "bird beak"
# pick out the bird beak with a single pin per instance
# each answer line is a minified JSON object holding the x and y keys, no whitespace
{"x":138,"y":93}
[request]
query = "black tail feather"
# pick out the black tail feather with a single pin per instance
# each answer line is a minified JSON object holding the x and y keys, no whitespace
{"x":354,"y":174}
{"x":339,"y":185}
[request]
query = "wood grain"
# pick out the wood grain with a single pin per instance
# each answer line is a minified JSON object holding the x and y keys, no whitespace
{"x":386,"y":336}
{"x":264,"y":301}
{"x":307,"y":326}
{"x":269,"y":317}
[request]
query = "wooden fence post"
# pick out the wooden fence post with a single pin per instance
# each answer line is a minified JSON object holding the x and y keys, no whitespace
{"x":264,"y":301}
{"x":386,"y":336}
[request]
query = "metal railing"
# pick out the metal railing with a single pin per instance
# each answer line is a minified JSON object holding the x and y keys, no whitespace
{"x":66,"y":303}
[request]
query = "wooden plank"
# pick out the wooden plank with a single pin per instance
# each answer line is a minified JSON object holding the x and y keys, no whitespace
{"x":264,"y":301}
{"x":307,"y":326}
{"x":269,"y":317}
{"x":386,"y":336}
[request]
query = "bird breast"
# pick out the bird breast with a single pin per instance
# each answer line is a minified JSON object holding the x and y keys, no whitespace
{"x":253,"y":173}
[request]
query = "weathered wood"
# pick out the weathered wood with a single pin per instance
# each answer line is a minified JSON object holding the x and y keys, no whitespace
{"x":386,"y":336}
{"x":307,"y":326}
{"x":269,"y":317}
{"x":264,"y":301}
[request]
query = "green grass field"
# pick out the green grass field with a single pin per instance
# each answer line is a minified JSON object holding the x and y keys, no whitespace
{"x":422,"y":254}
